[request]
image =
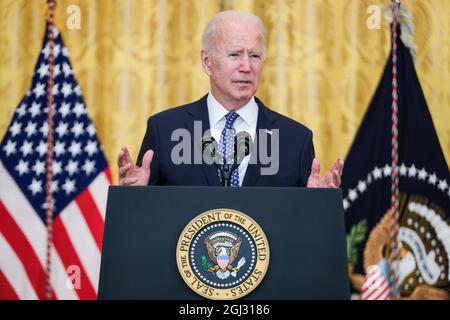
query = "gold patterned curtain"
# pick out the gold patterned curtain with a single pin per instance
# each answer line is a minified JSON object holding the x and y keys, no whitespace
{"x":133,"y":58}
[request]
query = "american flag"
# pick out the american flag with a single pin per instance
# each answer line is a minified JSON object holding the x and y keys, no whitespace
{"x":376,"y":285}
{"x":80,"y":181}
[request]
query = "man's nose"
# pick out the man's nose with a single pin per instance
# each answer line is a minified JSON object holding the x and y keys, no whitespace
{"x":245,"y":64}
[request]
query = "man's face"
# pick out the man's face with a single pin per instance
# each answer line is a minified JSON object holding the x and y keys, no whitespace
{"x":236,"y":64}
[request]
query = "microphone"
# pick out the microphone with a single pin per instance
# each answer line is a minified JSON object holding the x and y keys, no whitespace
{"x":210,"y":150}
{"x":211,"y":155}
{"x":242,"y":146}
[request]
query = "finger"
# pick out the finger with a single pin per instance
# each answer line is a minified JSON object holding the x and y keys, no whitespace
{"x":147,"y":160}
{"x":336,"y":179}
{"x":128,"y":181}
{"x":328,"y":180}
{"x":124,"y":156}
{"x":127,"y":154}
{"x":124,"y":169}
{"x":339,"y":165}
{"x":120,"y":159}
{"x":331,"y":179}
{"x":315,"y":168}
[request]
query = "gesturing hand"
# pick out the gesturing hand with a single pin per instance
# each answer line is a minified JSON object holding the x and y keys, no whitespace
{"x":331,"y":179}
{"x":129,"y":173}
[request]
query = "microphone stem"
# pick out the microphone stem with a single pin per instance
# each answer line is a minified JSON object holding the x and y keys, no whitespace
{"x":226,"y":174}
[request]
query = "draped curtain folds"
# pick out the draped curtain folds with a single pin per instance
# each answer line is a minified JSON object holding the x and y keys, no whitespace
{"x":135,"y":58}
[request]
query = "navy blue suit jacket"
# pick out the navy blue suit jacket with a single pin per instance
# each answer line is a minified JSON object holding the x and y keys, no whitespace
{"x":296,"y":149}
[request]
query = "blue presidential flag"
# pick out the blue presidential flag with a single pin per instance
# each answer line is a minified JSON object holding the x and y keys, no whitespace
{"x":423,"y":184}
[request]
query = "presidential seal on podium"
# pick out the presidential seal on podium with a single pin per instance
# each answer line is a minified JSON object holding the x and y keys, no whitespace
{"x":222,"y":254}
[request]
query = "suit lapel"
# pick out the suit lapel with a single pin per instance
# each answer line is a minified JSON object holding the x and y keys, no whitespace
{"x":199,"y":112}
{"x":265,"y":122}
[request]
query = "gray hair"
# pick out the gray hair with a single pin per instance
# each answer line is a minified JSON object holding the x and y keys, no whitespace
{"x":210,"y":32}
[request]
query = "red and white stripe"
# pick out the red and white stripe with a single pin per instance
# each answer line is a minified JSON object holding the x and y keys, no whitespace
{"x":77,"y":238}
{"x":375,"y":286}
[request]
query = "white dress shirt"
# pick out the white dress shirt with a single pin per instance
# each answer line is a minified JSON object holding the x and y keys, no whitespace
{"x":248,"y":117}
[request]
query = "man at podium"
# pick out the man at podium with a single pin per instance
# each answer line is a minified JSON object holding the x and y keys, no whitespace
{"x":225,"y":241}
{"x":282,"y":152}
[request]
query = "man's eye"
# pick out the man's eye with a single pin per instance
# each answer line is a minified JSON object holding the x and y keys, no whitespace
{"x":255,"y":56}
{"x":233,"y":55}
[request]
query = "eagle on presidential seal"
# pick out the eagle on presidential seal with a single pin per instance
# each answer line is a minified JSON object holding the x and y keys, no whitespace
{"x":223,"y":249}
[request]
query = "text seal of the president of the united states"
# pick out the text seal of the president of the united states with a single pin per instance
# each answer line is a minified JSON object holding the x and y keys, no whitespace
{"x":222,"y":254}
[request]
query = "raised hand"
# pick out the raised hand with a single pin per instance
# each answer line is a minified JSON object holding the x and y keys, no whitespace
{"x":331,"y":179}
{"x":129,"y":173}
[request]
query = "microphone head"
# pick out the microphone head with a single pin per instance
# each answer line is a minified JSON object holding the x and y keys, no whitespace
{"x":210,"y":150}
{"x":208,"y":145}
{"x":242,"y":146}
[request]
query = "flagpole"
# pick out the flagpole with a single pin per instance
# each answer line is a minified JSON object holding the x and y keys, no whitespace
{"x":394,"y":245}
{"x":50,"y":144}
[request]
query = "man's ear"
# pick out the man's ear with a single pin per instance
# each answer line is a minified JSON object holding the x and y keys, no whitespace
{"x":206,"y":62}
